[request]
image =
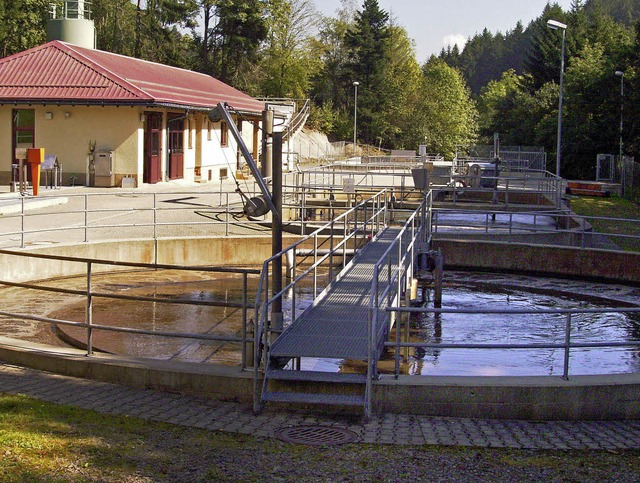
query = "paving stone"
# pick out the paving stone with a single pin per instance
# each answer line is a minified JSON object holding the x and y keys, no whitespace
{"x":398,"y":429}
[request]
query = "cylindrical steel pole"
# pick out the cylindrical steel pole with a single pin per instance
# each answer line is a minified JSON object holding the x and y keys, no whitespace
{"x":276,"y":233}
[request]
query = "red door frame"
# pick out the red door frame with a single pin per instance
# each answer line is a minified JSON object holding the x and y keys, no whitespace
{"x":175,"y":128}
{"x":152,"y":172}
{"x":15,"y":129}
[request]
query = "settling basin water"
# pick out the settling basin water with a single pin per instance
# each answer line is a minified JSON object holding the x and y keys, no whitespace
{"x":461,"y":290}
{"x":489,"y":291}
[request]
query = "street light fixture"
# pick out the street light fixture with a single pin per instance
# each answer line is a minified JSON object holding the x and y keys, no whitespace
{"x":555,"y":25}
{"x":621,"y":75}
{"x":355,"y":116}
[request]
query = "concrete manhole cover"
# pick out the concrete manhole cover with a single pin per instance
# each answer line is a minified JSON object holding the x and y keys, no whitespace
{"x":316,"y":435}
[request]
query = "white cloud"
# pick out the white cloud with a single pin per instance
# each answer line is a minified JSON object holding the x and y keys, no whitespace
{"x":454,"y":39}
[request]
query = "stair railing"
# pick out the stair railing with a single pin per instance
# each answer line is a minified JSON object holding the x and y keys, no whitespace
{"x":392,"y":275}
{"x":350,"y":230}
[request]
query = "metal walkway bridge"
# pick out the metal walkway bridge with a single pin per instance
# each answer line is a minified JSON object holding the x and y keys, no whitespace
{"x":336,"y":327}
{"x":347,"y":320}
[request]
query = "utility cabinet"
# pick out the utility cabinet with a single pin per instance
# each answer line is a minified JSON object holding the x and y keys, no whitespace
{"x":104,"y":163}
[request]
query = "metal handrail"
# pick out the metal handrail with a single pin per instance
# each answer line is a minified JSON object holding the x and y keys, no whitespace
{"x":548,"y":186}
{"x":89,"y":294}
{"x":567,"y":345}
{"x":566,"y":223}
{"x":148,"y":216}
{"x":352,"y":231}
{"x":415,"y":234}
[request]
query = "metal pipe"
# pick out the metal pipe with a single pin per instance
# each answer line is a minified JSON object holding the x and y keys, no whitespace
{"x":89,"y":314}
{"x":276,"y":233}
{"x":567,"y":341}
{"x":86,"y":218}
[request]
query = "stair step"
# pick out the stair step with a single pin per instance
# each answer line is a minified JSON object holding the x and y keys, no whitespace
{"x":299,"y":397}
{"x":316,"y":376}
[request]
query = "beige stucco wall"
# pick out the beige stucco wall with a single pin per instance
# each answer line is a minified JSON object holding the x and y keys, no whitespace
{"x":214,"y":156}
{"x":70,"y":130}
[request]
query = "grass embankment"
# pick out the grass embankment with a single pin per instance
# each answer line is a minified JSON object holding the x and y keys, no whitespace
{"x":47,"y":442}
{"x":608,"y":211}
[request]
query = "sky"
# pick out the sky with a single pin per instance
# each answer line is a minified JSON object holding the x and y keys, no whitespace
{"x":434,"y":24}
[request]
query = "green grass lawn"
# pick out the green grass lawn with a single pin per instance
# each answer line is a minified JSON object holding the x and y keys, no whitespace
{"x":608,"y":210}
{"x":55,"y":443}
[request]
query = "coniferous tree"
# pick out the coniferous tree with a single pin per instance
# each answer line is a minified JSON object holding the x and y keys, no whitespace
{"x":543,"y":57}
{"x":227,"y":40}
{"x":368,"y":45}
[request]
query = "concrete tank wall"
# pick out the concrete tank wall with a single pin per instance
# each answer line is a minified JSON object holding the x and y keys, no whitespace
{"x":221,"y":251}
{"x":549,"y":260}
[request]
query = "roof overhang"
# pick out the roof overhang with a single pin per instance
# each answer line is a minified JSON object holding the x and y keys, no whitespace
{"x":118,"y":103}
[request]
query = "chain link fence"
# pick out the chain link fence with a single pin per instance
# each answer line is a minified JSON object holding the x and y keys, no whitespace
{"x":625,"y":172}
{"x":513,"y":158}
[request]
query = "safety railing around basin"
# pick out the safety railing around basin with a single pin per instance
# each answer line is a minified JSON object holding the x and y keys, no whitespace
{"x":89,"y":294}
{"x":392,"y":277}
{"x":90,"y":217}
{"x":538,"y":227}
{"x":321,"y":254}
{"x":87,"y":217}
{"x":401,"y":343}
{"x":531,"y":187}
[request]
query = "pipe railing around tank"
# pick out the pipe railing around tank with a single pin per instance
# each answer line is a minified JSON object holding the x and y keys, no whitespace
{"x":566,"y":345}
{"x":563,"y":228}
{"x":245,"y":339}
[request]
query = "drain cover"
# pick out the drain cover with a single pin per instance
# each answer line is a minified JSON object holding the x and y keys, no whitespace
{"x":316,"y":435}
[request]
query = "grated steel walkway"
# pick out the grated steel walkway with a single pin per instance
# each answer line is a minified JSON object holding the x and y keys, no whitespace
{"x":336,"y":327}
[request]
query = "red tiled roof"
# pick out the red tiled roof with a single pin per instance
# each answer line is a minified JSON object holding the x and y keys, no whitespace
{"x":61,"y":73}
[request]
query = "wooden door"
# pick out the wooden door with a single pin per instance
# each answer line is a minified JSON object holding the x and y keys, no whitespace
{"x":152,"y":172}
{"x":176,"y":148}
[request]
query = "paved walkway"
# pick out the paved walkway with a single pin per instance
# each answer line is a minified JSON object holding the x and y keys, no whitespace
{"x":397,"y":429}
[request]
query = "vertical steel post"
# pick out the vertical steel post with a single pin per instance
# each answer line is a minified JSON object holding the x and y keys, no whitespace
{"x":89,"y":314}
{"x":244,"y":321}
{"x":86,"y":216}
{"x":22,"y":222}
{"x":567,"y":343}
{"x":155,"y":217}
{"x":267,"y":146}
{"x":276,"y":233}
{"x":315,"y":265}
{"x":226,"y":217}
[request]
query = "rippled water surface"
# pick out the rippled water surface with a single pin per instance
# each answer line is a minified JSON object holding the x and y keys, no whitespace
{"x":499,"y":292}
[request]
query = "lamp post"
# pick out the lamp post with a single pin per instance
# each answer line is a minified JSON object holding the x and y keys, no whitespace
{"x":355,"y":116}
{"x":555,"y":25}
{"x":621,"y":75}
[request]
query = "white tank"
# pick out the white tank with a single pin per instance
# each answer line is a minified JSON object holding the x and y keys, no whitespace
{"x":71,"y":22}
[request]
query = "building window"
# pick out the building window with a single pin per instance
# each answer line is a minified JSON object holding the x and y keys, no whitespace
{"x":208,"y":130}
{"x":224,"y":134}
{"x":24,"y":128}
{"x":24,"y":134}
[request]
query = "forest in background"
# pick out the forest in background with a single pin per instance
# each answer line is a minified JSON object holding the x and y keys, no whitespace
{"x":500,"y":82}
